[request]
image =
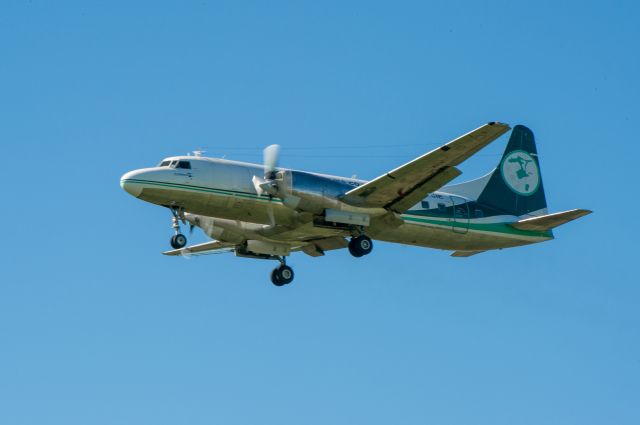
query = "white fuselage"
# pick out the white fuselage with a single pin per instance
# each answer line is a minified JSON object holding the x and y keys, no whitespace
{"x":219,"y":196}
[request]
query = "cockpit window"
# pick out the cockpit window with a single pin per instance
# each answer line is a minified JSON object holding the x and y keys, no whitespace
{"x":175,"y":164}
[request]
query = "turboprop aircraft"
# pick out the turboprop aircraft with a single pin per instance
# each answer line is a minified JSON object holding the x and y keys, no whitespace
{"x":267,"y":212}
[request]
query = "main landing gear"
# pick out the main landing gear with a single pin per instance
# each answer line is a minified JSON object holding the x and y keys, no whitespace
{"x":178,"y":240}
{"x":282,"y":275}
{"x":360,"y":245}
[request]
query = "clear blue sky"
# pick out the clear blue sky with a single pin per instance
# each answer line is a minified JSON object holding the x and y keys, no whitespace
{"x":96,"y":327}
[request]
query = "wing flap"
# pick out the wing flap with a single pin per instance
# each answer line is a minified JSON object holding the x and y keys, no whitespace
{"x":549,"y":221}
{"x":212,"y":247}
{"x":317,"y":247}
{"x":436,"y":167}
{"x":433,"y":183}
{"x":327,"y":244}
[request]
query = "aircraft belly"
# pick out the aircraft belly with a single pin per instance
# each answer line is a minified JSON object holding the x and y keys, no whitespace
{"x":249,"y":208}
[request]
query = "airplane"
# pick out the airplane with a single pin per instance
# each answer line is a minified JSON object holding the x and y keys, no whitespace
{"x":268,"y":212}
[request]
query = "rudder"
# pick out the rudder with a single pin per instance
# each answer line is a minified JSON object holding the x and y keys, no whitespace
{"x":515,"y":187}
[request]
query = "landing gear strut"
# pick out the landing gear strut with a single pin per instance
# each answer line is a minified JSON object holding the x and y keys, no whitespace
{"x":282,"y":275}
{"x":178,"y":240}
{"x":360,"y":245}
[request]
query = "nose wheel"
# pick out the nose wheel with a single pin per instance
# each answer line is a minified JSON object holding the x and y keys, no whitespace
{"x":282,"y":275}
{"x":178,"y":240}
{"x":360,"y":246}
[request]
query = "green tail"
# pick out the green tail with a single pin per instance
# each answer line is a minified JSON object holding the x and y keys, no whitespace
{"x":515,"y":187}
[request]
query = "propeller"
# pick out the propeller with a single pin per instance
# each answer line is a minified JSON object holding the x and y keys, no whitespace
{"x":268,"y":183}
{"x":271,"y":154}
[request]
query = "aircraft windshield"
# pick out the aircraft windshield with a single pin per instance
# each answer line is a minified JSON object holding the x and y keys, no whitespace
{"x":175,"y":164}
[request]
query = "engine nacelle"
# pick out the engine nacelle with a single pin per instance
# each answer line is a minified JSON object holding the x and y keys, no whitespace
{"x":217,"y":228}
{"x":315,"y":193}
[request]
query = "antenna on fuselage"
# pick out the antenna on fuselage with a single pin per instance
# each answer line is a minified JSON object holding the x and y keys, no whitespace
{"x":197,"y":153}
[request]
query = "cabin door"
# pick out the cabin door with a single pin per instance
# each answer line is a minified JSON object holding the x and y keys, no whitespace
{"x":459,"y":215}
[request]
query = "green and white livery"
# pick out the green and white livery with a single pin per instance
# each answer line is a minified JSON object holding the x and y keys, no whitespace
{"x":268,"y":212}
{"x":520,"y":172}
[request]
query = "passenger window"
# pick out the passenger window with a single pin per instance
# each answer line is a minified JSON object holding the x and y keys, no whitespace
{"x":184,"y":164}
{"x":442,"y":208}
{"x":425,"y":205}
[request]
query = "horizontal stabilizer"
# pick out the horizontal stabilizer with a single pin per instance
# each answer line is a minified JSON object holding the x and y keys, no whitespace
{"x":549,"y":221}
{"x":213,"y":247}
{"x":465,"y":253}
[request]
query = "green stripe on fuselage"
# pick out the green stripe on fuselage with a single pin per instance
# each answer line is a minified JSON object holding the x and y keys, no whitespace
{"x":205,"y":189}
{"x":482,"y":227}
{"x":502,"y":228}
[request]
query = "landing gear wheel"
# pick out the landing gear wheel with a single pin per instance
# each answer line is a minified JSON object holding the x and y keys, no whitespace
{"x":283,"y":275}
{"x":275,"y":278}
{"x":286,"y":274}
{"x":360,"y":245}
{"x":178,"y":241}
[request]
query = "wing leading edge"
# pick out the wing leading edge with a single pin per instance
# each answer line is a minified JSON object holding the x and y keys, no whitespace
{"x":403,"y":187}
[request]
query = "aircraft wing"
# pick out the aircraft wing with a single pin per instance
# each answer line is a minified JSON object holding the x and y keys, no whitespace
{"x":317,"y":247}
{"x":400,"y":189}
{"x":213,"y":247}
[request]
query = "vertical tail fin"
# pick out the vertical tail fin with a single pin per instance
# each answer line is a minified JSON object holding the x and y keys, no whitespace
{"x":515,"y":187}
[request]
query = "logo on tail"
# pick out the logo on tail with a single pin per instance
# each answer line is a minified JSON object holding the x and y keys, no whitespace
{"x":520,"y":172}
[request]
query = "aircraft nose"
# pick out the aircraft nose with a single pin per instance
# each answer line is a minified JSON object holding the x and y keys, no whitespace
{"x":131,"y":184}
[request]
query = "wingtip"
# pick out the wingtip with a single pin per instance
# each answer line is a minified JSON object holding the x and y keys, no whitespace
{"x":497,"y":123}
{"x":581,"y":212}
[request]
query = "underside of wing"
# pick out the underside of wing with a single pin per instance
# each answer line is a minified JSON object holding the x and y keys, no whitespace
{"x":400,"y":189}
{"x":213,"y":247}
{"x":317,"y":247}
{"x":465,"y":253}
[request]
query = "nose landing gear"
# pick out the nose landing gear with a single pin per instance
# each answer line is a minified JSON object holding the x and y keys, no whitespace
{"x":178,"y":240}
{"x":282,"y":275}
